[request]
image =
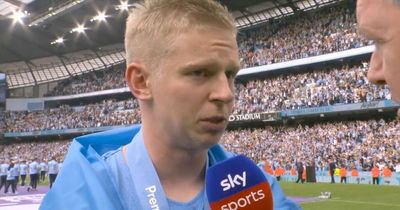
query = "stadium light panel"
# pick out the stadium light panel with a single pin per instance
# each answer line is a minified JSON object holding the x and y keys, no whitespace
{"x":79,"y":29}
{"x":124,"y":6}
{"x":54,"y":12}
{"x":100,"y":17}
{"x":18,"y":16}
{"x":59,"y":40}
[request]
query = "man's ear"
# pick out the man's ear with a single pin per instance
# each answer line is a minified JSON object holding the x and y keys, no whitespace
{"x":137,"y":79}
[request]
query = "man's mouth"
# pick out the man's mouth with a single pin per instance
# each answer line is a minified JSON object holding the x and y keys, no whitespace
{"x":214,"y":123}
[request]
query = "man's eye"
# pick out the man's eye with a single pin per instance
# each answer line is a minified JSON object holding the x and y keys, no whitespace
{"x":199,"y":73}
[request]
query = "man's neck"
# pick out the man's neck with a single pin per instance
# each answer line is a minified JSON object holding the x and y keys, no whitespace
{"x":181,"y":172}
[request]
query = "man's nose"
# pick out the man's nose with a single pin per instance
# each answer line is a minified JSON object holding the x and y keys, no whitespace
{"x":376,"y":71}
{"x":223,"y":90}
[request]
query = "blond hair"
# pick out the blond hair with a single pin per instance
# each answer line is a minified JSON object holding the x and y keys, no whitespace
{"x":153,"y":24}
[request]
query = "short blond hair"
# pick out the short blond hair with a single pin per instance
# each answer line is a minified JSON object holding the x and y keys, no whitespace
{"x":153,"y":24}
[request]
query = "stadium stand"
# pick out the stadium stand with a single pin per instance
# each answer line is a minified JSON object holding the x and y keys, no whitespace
{"x":342,"y":85}
{"x":111,"y":78}
{"x":353,"y":143}
{"x":43,"y":150}
{"x":314,"y":33}
{"x":106,"y":113}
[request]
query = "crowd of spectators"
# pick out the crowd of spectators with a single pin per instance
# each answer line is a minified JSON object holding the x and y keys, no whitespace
{"x":105,"y":113}
{"x":110,"y":78}
{"x":332,"y":86}
{"x":308,"y":34}
{"x":357,"y":144}
{"x":42,"y":150}
{"x":312,"y":33}
{"x":342,"y":85}
{"x":354,"y":144}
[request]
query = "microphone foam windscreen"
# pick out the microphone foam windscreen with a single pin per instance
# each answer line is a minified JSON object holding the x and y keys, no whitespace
{"x":237,"y":183}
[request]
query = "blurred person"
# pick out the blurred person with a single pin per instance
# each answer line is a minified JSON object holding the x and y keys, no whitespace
{"x":387,"y":175}
{"x":383,"y":28}
{"x":304,"y":175}
{"x":53,"y":171}
{"x":375,"y":174}
{"x":267,"y":168}
{"x":293,"y":173}
{"x":43,"y":170}
{"x":355,"y":175}
{"x":279,"y":171}
{"x":33,"y":174}
{"x":397,"y":171}
{"x":343,"y":174}
{"x":23,"y":170}
{"x":16,"y":174}
{"x":3,"y":172}
{"x":182,"y":59}
{"x":332,"y":168}
{"x":300,"y":168}
{"x":11,"y":171}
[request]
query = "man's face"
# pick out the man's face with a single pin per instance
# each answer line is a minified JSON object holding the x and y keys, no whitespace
{"x":193,"y":90}
{"x":379,"y":20}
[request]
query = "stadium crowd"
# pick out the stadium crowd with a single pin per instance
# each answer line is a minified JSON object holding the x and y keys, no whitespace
{"x":105,"y":113}
{"x":35,"y":160}
{"x":353,"y":144}
{"x":357,"y":144}
{"x":318,"y":88}
{"x":111,"y":78}
{"x":314,"y":33}
{"x":327,"y":30}
{"x":342,"y":85}
{"x":40,"y":150}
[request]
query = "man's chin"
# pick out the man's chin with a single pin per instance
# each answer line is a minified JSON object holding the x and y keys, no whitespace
{"x":211,"y":140}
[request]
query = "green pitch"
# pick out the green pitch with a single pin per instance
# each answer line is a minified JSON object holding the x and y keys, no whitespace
{"x":346,"y":196}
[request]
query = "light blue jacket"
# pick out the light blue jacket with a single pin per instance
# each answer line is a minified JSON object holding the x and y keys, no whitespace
{"x":86,"y":182}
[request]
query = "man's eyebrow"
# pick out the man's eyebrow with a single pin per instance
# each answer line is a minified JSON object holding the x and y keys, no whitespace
{"x":198,"y":63}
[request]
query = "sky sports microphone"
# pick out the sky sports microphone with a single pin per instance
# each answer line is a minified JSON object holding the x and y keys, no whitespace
{"x":237,"y":183}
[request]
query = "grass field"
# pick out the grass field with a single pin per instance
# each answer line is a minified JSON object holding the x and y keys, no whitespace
{"x":28,"y":180}
{"x":346,"y":196}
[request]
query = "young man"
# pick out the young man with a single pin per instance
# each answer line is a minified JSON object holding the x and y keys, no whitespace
{"x":11,"y":171}
{"x":379,"y":21}
{"x":3,"y":172}
{"x":53,"y":171}
{"x":33,"y":174}
{"x":23,"y":169}
{"x":300,"y":168}
{"x":43,"y":170}
{"x":182,"y":59}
